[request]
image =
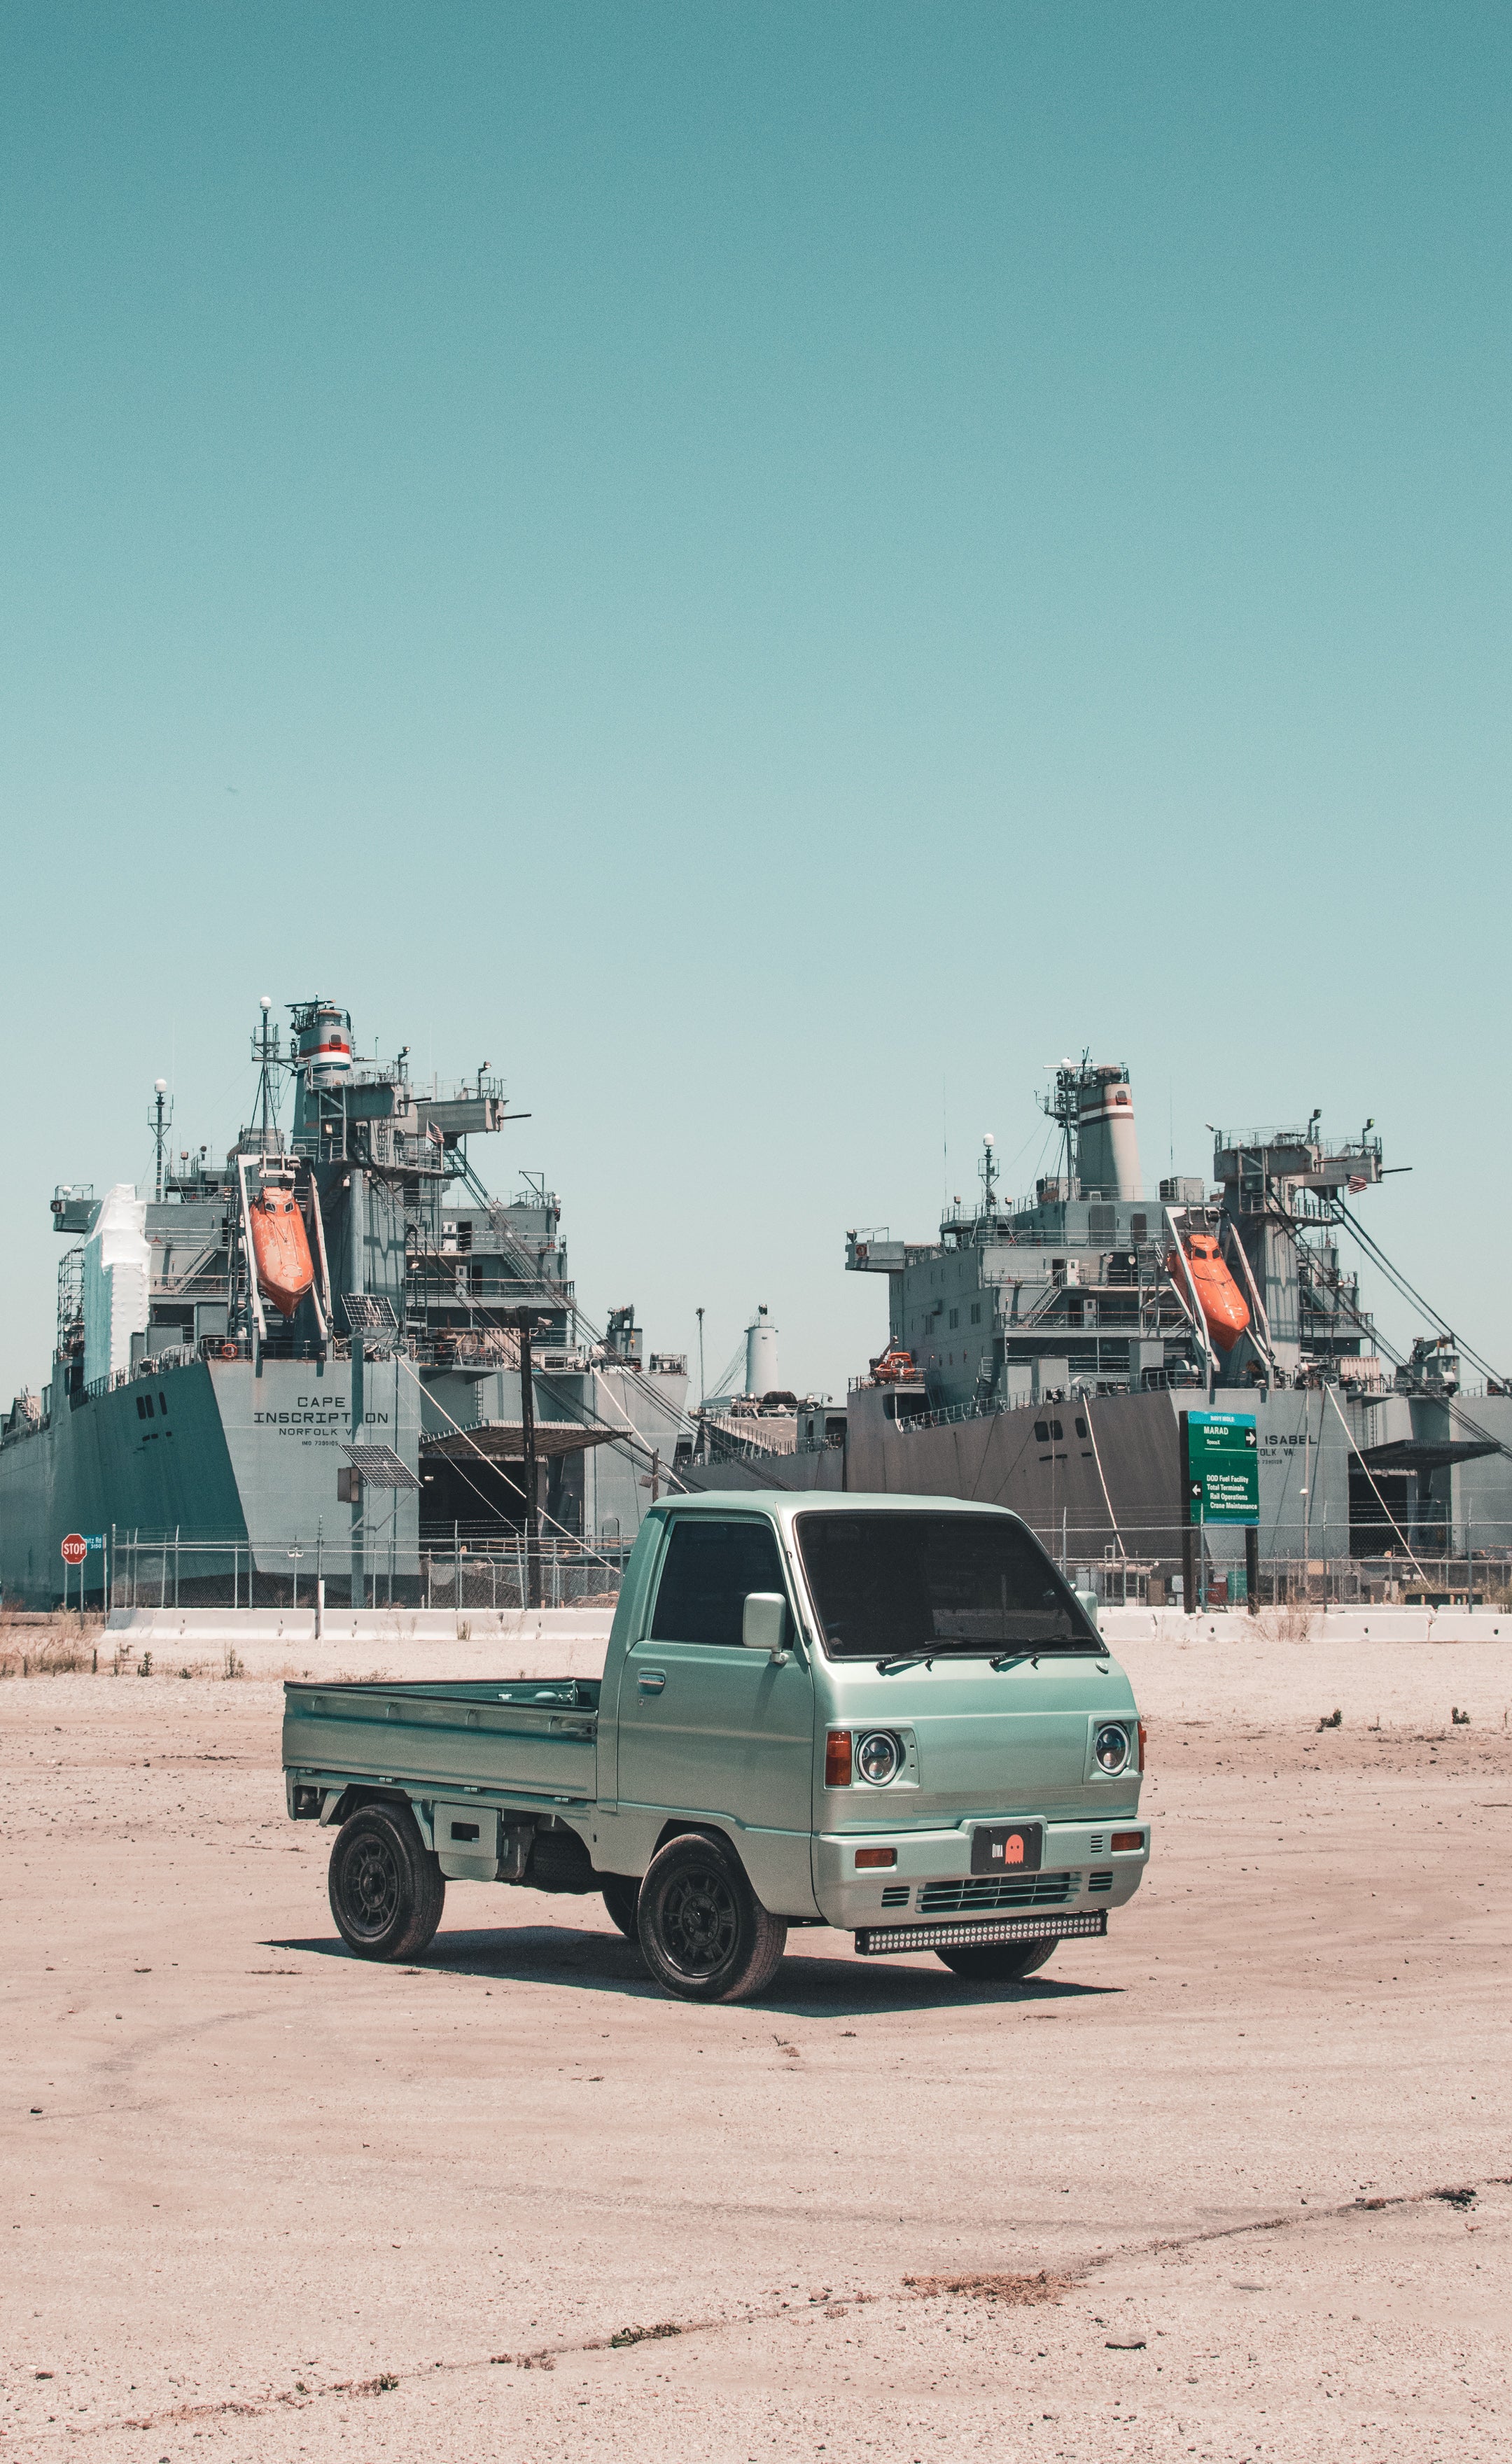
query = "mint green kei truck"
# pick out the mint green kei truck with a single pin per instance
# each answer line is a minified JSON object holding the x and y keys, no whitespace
{"x":889,"y":1714}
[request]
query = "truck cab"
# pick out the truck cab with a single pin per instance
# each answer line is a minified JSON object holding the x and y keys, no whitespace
{"x":935,"y":1677}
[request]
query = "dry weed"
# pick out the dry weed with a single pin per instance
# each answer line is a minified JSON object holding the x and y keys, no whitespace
{"x":1020,"y":2291}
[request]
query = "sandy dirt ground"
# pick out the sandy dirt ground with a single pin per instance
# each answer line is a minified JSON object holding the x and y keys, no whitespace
{"x":1231,"y":2184}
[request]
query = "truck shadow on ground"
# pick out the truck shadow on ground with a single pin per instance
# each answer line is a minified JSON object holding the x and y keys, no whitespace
{"x":808,"y":1985}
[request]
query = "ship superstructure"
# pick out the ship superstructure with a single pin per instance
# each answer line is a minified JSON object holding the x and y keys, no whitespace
{"x":1088,"y":1286}
{"x":312,"y":1348}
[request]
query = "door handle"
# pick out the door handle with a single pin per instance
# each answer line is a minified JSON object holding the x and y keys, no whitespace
{"x":651,"y":1680}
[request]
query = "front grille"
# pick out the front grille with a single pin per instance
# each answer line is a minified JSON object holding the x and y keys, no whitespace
{"x":1096,"y":1845}
{"x":1100,"y":1882}
{"x":895,"y":1895}
{"x":873,"y":1940}
{"x":983,"y":1891}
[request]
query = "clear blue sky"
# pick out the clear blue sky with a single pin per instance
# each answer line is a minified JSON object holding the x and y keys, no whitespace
{"x":769,"y":570}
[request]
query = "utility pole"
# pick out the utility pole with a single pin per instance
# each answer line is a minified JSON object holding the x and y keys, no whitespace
{"x":527,"y":1416}
{"x":701,"y":1391}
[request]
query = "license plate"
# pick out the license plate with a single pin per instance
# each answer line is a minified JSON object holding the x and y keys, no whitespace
{"x":1007,"y":1847}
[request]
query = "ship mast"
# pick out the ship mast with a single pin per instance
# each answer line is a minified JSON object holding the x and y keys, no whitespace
{"x":265,"y":1052}
{"x":162,"y":1125}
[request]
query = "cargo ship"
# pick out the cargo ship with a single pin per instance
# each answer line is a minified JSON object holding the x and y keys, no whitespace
{"x":1048,"y":1353}
{"x":329,"y":1357}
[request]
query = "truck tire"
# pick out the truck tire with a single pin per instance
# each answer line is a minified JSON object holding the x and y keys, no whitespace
{"x":388,"y":1890}
{"x":995,"y":1963}
{"x":704,"y":1934}
{"x":621,"y":1893}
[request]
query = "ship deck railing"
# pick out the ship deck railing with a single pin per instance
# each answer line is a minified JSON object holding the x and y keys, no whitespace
{"x":993,"y":1407}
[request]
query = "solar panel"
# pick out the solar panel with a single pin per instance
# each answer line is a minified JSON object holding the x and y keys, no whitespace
{"x":369,"y":1313}
{"x":380,"y":1466}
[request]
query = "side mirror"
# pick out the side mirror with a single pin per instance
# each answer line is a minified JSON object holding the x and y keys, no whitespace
{"x":764,"y":1623}
{"x":1089,"y":1602}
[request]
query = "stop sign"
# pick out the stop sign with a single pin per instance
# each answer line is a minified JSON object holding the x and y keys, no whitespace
{"x":75,"y":1549}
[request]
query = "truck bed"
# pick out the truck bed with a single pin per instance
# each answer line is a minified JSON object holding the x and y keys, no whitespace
{"x":529,"y":1740}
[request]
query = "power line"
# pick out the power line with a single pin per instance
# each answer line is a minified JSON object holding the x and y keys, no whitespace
{"x":1451,"y":1404}
{"x":1409,"y":1292}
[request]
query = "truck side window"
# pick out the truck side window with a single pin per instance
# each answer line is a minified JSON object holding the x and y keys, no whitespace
{"x":708,"y":1569}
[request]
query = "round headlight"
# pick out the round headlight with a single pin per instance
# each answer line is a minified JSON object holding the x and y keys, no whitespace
{"x":878,"y":1757}
{"x":1111,"y":1748}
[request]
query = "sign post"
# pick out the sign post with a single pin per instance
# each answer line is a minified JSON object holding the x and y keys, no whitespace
{"x":1220,"y":1456}
{"x":73,"y":1553}
{"x":75,"y":1548}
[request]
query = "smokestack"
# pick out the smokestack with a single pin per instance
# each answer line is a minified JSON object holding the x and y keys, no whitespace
{"x":760,"y":1353}
{"x":1107,"y":1146}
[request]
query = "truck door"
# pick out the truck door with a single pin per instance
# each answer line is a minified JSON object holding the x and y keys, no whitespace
{"x":709,"y":1728}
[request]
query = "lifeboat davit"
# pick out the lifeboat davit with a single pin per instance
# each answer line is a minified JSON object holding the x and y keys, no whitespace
{"x":281,"y":1248}
{"x":1223,"y":1305}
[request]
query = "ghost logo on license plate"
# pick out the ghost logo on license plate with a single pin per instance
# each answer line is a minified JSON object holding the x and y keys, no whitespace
{"x":1007,"y":1847}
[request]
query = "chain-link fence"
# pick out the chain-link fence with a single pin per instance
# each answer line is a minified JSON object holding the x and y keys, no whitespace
{"x":161,"y":1570}
{"x":1152,"y":1567}
{"x":459,"y":1568}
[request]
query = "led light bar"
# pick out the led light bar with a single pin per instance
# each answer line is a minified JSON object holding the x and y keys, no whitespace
{"x":870,"y":1940}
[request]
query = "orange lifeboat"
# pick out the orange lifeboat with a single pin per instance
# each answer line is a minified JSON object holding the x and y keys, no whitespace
{"x":281,"y":1248}
{"x":893,"y":1366}
{"x":1222,"y":1302}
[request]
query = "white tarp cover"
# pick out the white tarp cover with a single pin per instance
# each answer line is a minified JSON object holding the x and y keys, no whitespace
{"x":117,"y":1271}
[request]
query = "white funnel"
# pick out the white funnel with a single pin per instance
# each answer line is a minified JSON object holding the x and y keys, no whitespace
{"x":760,"y":1353}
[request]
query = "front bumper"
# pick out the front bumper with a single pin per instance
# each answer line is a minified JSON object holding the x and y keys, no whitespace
{"x":932,"y":1881}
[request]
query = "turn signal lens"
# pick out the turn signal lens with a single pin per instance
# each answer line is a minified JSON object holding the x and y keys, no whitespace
{"x":1127,"y":1840}
{"x":837,"y":1758}
{"x":1141,"y":1744}
{"x":876,"y":1855}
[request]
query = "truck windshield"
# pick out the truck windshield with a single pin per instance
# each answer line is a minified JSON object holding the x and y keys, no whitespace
{"x":886,"y":1585}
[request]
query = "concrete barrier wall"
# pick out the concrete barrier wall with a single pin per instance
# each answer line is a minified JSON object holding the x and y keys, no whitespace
{"x":1302,"y":1625}
{"x":354,"y":1625}
{"x":209,"y":1629}
{"x":359,"y":1642}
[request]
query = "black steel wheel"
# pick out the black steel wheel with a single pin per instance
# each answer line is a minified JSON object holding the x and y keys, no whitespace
{"x":997,"y":1963}
{"x":388,"y":1890}
{"x":621,"y":1892}
{"x":705,"y":1935}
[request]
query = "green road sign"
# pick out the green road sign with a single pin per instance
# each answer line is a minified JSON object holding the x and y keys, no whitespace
{"x":1223,"y":1466}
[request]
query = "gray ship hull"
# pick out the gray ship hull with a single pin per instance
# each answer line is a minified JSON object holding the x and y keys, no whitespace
{"x":239,"y":1462}
{"x":1096,"y":1480}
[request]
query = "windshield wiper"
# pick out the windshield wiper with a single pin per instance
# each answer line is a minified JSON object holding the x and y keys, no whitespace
{"x":1034,"y":1652}
{"x":907,"y":1660}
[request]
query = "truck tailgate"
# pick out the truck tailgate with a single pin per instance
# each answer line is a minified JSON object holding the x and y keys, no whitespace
{"x":533,"y":1739}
